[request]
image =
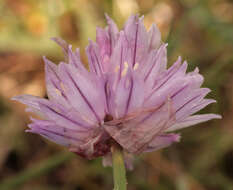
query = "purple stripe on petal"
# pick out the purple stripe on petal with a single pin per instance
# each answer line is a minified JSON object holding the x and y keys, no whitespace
{"x":84,"y":97}
{"x":137,"y":38}
{"x":32,"y":102}
{"x":130,"y":95}
{"x":113,"y":32}
{"x":193,"y":120}
{"x":75,"y":59}
{"x":85,"y":92}
{"x":160,"y":96}
{"x":156,"y":64}
{"x":29,"y":100}
{"x":61,"y":118}
{"x":93,"y":55}
{"x":170,"y":74}
{"x":53,"y":83}
{"x":193,"y":100}
{"x":135,"y":134}
{"x":202,"y":104}
{"x":58,"y":138}
{"x":50,"y":124}
{"x":103,"y":40}
{"x":135,"y":45}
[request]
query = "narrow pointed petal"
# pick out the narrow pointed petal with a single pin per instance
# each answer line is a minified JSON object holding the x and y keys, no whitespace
{"x":65,"y":117}
{"x":202,"y":104}
{"x":155,"y":64}
{"x":113,"y":32}
{"x":175,"y":71}
{"x":162,"y":141}
{"x":121,"y":57}
{"x":154,"y":37}
{"x":128,"y":96}
{"x":72,"y":58}
{"x":63,"y":45}
{"x":135,"y":134}
{"x":187,"y":93}
{"x":137,"y":38}
{"x":75,"y":58}
{"x":160,"y":96}
{"x":53,"y":83}
{"x":32,"y":102}
{"x":104,"y":44}
{"x":193,"y":120}
{"x":29,"y":100}
{"x":192,"y":101}
{"x":85,"y":91}
{"x":95,"y":63}
{"x":59,"y":135}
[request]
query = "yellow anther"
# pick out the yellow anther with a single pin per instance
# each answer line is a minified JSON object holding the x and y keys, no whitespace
{"x":126,"y":66}
{"x":62,"y":86}
{"x":58,"y":91}
{"x":117,"y":68}
{"x":135,"y":66}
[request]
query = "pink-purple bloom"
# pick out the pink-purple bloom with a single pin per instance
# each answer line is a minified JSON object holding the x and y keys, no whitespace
{"x":128,"y":96}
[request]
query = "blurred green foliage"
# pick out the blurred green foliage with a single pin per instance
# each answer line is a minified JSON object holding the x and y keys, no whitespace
{"x":199,"y":30}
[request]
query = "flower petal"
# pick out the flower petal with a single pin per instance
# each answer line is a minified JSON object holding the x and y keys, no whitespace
{"x":104,"y":44}
{"x":60,"y":135}
{"x":137,"y":38}
{"x":84,"y":91}
{"x":32,"y":102}
{"x":155,"y":64}
{"x":121,"y":58}
{"x":94,"y":60}
{"x":63,"y":45}
{"x":154,"y":37}
{"x":65,"y":117}
{"x":162,"y":141}
{"x":135,"y":134}
{"x":113,"y":32}
{"x":127,"y":97}
{"x":53,"y":83}
{"x":71,"y":57}
{"x":193,"y":120}
{"x":191,"y":101}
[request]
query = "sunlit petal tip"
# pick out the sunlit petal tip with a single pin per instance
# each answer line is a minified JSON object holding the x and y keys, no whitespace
{"x":141,"y":18}
{"x":217,"y":116}
{"x":176,"y":137}
{"x":107,"y":17}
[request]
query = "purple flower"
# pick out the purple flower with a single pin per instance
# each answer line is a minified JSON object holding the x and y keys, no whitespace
{"x":128,"y":96}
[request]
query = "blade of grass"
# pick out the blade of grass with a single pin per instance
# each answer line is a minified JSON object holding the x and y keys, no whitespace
{"x":33,"y":172}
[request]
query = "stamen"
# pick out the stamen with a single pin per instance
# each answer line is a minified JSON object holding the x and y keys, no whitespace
{"x":126,"y":66}
{"x":117,"y":68}
{"x":58,"y":91}
{"x":135,"y":67}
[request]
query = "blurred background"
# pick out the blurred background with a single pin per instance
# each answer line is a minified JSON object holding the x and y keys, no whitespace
{"x":199,"y":30}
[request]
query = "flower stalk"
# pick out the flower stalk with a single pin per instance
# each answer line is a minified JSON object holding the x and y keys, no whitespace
{"x":119,"y":173}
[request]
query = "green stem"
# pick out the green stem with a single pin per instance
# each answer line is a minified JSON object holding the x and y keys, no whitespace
{"x":119,"y":173}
